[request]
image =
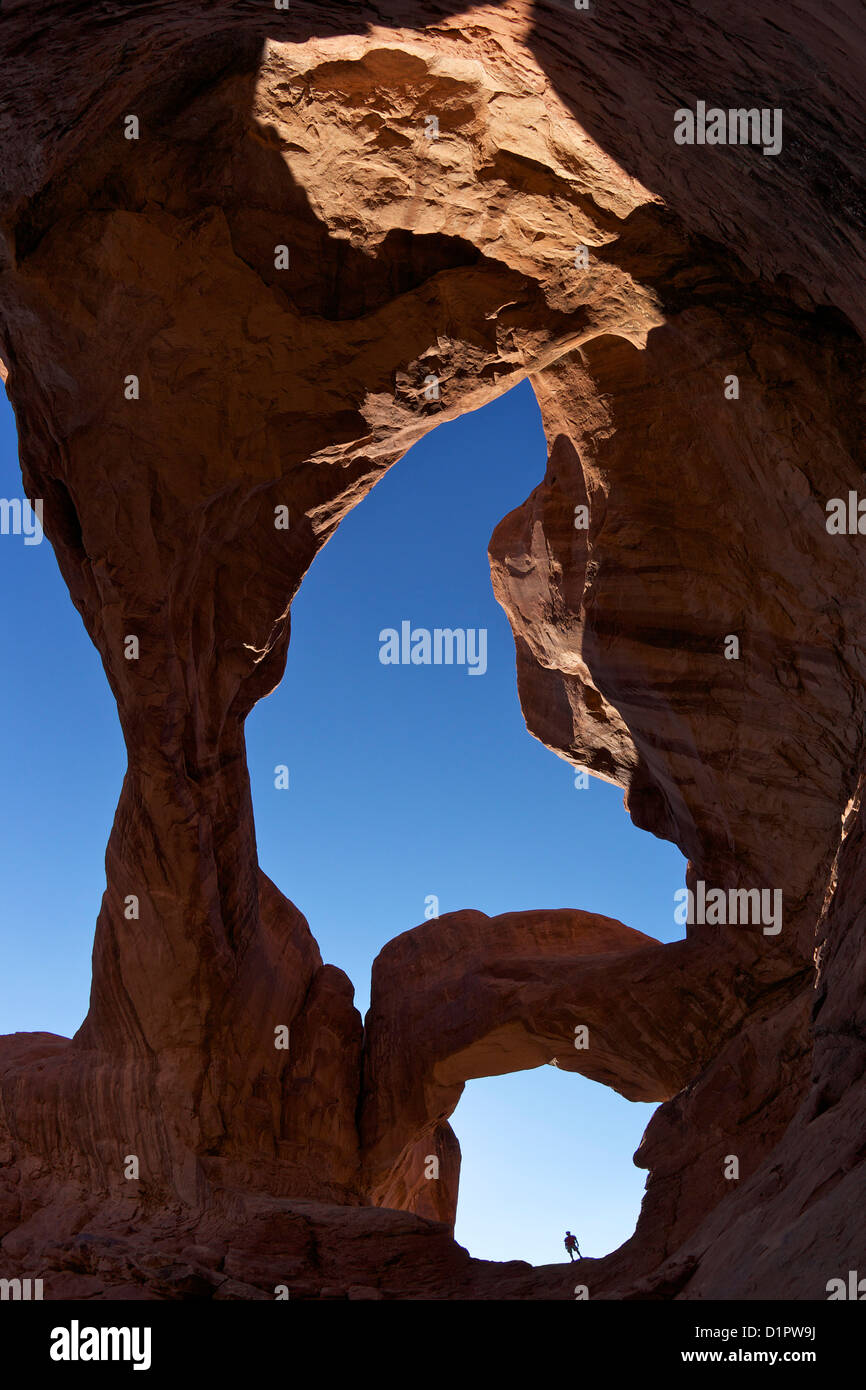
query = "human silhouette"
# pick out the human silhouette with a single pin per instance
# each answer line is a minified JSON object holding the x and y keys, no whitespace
{"x":571,"y":1245}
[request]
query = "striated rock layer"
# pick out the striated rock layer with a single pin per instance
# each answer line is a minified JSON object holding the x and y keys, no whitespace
{"x":179,"y":381}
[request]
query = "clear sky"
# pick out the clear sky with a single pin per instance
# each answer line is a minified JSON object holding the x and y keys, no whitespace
{"x":405,"y":782}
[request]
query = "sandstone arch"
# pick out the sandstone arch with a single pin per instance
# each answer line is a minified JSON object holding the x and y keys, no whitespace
{"x":453,"y":256}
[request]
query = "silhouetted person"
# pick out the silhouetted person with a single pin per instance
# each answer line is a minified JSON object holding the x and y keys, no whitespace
{"x":571,"y":1245}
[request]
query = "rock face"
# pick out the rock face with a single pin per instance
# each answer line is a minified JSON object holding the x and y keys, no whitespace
{"x":235,"y":250}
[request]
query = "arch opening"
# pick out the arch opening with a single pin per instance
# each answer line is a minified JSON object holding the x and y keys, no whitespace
{"x":433,"y":800}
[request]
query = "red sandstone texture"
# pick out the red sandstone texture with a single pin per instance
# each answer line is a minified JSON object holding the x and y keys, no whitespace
{"x":261,"y":388}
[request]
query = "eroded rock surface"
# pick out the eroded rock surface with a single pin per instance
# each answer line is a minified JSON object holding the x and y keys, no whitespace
{"x":268,"y":380}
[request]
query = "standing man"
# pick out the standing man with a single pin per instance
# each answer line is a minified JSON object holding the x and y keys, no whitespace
{"x":571,"y":1245}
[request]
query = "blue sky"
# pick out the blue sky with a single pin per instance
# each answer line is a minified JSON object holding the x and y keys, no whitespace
{"x":405,"y":782}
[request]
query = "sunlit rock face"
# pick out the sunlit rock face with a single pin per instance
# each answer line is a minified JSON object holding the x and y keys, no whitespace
{"x":246,"y":263}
